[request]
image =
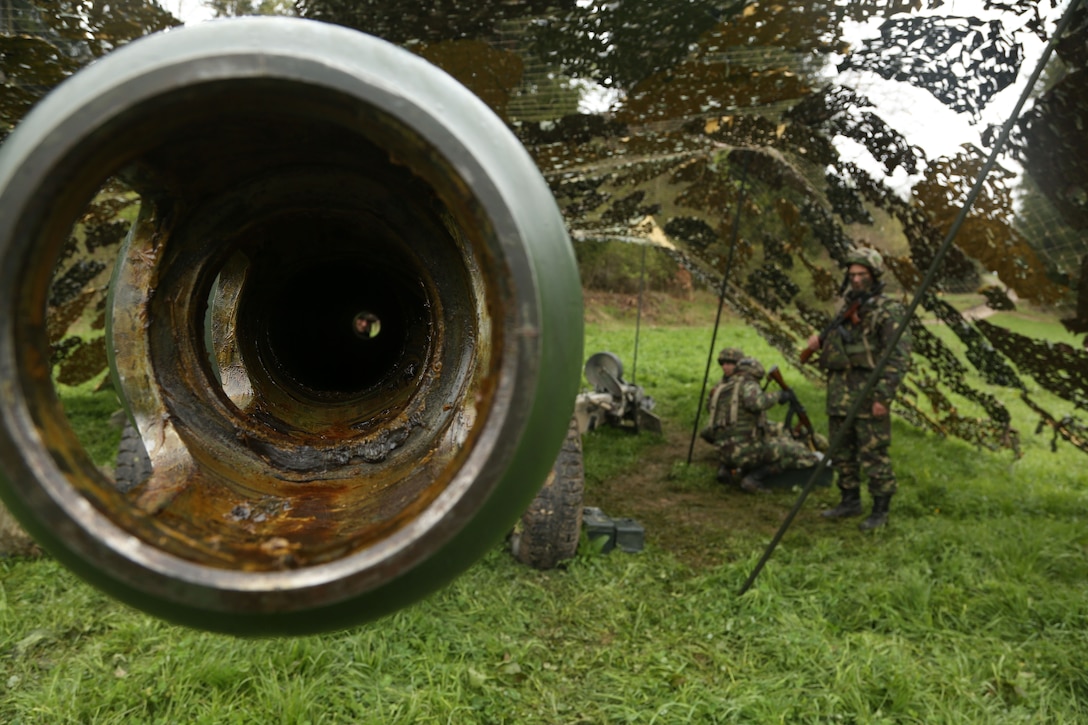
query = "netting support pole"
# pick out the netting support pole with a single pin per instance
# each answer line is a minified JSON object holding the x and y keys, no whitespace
{"x":638,"y":315}
{"x":721,"y":303}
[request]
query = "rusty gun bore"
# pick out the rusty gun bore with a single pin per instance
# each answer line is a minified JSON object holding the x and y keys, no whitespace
{"x":342,"y":440}
{"x":303,"y":475}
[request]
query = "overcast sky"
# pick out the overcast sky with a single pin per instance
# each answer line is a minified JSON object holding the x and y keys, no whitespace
{"x":188,"y":11}
{"x":921,"y":118}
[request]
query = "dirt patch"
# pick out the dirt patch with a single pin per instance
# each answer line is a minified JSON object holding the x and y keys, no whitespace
{"x":699,"y":520}
{"x":657,"y":308}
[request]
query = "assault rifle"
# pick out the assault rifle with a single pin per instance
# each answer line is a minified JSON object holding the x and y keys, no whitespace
{"x":796,"y":408}
{"x":847,"y":313}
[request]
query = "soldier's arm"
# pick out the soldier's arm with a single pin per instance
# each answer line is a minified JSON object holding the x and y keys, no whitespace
{"x":899,"y":362}
{"x":754,"y":399}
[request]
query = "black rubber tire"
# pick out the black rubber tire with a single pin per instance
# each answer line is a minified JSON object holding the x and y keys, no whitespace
{"x":549,"y":531}
{"x":133,"y":464}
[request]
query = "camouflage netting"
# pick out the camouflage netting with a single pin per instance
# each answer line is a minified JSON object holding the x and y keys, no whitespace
{"x":722,"y":138}
{"x":41,"y":44}
{"x":77,"y":300}
{"x":722,"y":130}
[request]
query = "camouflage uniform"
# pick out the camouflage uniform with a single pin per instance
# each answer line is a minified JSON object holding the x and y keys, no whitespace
{"x":848,"y":355}
{"x":711,"y":433}
{"x":746,"y":441}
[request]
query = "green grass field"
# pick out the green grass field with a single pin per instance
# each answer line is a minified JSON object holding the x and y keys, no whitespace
{"x":971,"y":607}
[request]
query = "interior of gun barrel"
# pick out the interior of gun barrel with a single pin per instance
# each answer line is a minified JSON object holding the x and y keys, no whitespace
{"x":329,"y":323}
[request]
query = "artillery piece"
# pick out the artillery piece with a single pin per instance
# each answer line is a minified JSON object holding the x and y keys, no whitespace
{"x":296,"y":180}
{"x":613,"y":400}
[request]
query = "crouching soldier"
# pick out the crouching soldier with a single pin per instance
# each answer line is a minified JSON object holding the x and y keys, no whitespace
{"x":749,"y":447}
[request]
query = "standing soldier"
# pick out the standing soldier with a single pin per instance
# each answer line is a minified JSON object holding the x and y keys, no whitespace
{"x":849,"y":350}
{"x":746,"y":441}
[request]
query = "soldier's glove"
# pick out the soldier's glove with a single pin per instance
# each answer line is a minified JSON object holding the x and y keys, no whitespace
{"x":786,"y":396}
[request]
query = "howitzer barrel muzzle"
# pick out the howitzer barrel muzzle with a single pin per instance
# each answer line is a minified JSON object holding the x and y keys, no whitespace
{"x":346,"y":323}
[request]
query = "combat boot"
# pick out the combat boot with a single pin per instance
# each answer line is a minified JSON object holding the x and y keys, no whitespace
{"x":849,"y":506}
{"x":753,"y":481}
{"x":879,"y":516}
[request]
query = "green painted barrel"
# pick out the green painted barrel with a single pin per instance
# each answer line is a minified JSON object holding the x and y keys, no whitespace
{"x":347,"y":325}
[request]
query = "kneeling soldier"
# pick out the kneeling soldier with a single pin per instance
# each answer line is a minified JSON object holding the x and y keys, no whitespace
{"x":746,"y":441}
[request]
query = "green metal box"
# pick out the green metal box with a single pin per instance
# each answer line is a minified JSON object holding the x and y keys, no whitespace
{"x":597,"y":525}
{"x":630,"y":535}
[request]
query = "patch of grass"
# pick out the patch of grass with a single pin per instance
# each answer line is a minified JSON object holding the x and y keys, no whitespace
{"x":963,"y":300}
{"x":87,"y":409}
{"x":1036,"y":327}
{"x":971,"y":607}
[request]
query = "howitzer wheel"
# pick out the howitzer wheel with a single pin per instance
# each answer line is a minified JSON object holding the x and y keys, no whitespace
{"x":550,"y":529}
{"x":133,"y":465}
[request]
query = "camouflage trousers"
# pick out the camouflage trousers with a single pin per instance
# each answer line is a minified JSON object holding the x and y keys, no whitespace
{"x":864,"y":451}
{"x":780,"y":452}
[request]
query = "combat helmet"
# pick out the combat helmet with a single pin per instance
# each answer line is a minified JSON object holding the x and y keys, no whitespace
{"x":750,"y":366}
{"x":730,"y":354}
{"x":868,"y":258}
